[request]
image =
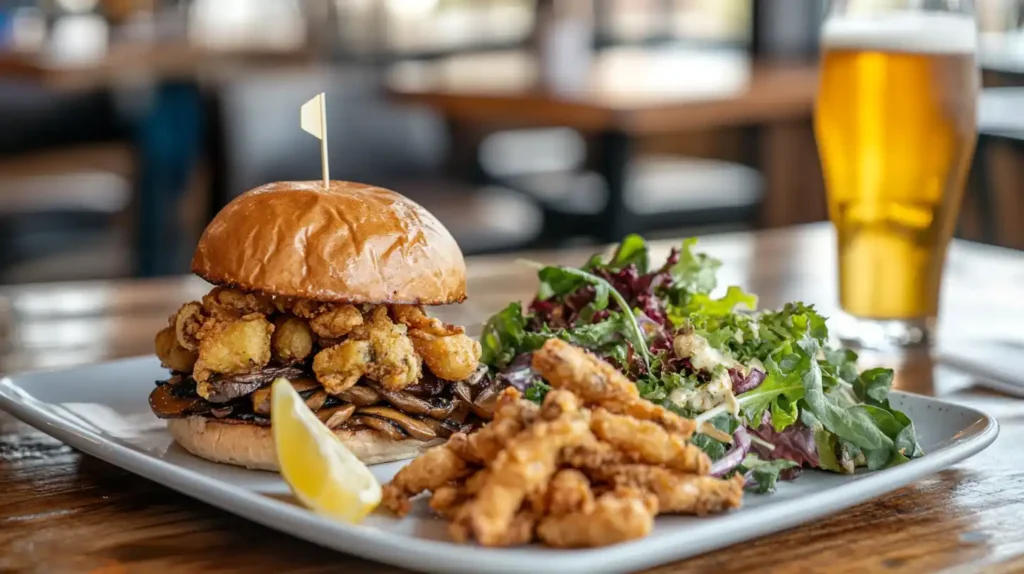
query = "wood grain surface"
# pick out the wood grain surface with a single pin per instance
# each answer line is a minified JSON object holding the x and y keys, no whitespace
{"x":62,"y":511}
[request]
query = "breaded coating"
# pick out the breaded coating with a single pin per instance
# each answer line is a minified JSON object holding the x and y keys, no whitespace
{"x":395,"y":364}
{"x":227,"y":303}
{"x":172,"y":355}
{"x":617,"y":516}
{"x":520,"y":529}
{"x":558,"y":403}
{"x":448,"y":353}
{"x":414,"y":317}
{"x":304,"y":308}
{"x":292,"y":341}
{"x":599,"y":384}
{"x":523,"y":467}
{"x":677,"y":492}
{"x":335,"y":321}
{"x":647,"y":442}
{"x":568,"y":492}
{"x":187,"y":321}
{"x":477,"y":481}
{"x":340,"y":367}
{"x":592,"y":454}
{"x":447,"y":499}
{"x":451,"y":358}
{"x":431,"y":470}
{"x":510,"y":418}
{"x":232,"y":346}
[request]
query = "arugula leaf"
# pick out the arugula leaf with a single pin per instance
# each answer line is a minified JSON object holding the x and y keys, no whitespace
{"x":824,"y":443}
{"x":714,"y":449}
{"x":872,"y":386}
{"x":555,"y":282}
{"x":632,"y":250}
{"x":763,"y":473}
{"x":634,"y":333}
{"x":502,"y":336}
{"x":851,"y":425}
{"x":537,"y":391}
{"x":694,"y":272}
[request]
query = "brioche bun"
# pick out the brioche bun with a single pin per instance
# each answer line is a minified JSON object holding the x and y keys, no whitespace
{"x":252,"y":446}
{"x":352,"y":243}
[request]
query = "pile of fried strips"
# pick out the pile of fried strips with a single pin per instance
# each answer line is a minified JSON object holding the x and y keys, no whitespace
{"x":593,"y":465}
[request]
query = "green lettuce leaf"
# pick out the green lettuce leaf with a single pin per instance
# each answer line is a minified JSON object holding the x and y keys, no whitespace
{"x":632,"y":251}
{"x":872,"y":386}
{"x":694,"y":272}
{"x":852,"y":425}
{"x":503,"y":336}
{"x":703,"y":304}
{"x":778,"y":384}
{"x":765,"y":473}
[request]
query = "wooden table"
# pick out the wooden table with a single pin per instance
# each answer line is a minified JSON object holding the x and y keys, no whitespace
{"x":63,"y":511}
{"x":630,"y":93}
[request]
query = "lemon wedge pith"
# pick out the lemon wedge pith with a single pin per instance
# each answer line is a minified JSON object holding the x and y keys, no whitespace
{"x":322,"y":473}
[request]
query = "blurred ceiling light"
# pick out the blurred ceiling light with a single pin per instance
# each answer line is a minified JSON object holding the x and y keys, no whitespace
{"x":411,"y":8}
{"x":233,"y":24}
{"x":78,"y":39}
{"x":77,"y":6}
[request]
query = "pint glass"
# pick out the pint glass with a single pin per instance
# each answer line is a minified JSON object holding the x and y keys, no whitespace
{"x":895,"y":125}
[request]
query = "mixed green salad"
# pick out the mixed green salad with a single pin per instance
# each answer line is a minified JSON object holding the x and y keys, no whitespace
{"x":772,"y":394}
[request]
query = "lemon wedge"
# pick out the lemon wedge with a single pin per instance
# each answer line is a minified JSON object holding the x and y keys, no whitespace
{"x":322,"y":473}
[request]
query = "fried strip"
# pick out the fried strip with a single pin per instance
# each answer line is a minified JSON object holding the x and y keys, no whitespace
{"x":568,"y":492}
{"x":523,"y":468}
{"x":599,"y":384}
{"x":557,"y":403}
{"x":511,"y":417}
{"x":648,"y":442}
{"x":618,"y":516}
{"x":447,"y":500}
{"x":676,"y":492}
{"x":519,"y":531}
{"x":592,"y":454}
{"x":431,"y":470}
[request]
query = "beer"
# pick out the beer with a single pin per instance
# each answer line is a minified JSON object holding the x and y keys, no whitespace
{"x":895,"y":124}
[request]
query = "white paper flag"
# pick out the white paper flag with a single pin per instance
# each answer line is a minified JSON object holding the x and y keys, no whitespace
{"x":313,"y":119}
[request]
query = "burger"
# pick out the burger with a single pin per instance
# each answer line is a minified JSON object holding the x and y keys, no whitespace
{"x":327,"y":288}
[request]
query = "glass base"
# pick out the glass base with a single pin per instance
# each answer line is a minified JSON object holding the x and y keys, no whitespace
{"x":883,"y":334}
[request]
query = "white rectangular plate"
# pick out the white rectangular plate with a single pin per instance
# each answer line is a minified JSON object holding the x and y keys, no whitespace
{"x":103,"y":410}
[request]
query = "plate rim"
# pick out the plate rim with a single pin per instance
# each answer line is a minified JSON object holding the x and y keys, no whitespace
{"x":436,"y":555}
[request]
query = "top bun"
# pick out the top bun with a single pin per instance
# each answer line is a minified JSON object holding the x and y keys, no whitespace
{"x":352,"y":243}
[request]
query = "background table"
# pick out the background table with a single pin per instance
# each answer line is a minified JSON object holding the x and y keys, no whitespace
{"x":64,"y":511}
{"x":171,"y":127}
{"x":631,"y":93}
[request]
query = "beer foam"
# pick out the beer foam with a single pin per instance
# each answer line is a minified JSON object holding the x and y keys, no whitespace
{"x":922,"y":32}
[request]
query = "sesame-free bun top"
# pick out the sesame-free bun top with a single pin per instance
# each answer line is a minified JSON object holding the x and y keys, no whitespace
{"x":350,"y":243}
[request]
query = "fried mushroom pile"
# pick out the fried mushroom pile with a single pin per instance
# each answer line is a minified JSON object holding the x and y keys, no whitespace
{"x":591,"y":466}
{"x":391,"y":358}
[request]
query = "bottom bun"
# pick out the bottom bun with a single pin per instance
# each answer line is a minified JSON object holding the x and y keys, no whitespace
{"x":252,"y":446}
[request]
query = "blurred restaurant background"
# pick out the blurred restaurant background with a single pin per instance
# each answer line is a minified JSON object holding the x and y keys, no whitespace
{"x":126,"y":124}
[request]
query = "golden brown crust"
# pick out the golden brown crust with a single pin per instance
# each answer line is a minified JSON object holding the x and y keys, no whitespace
{"x":252,"y":446}
{"x":352,"y":243}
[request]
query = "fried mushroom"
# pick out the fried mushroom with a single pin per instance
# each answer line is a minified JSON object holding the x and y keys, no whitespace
{"x":292,"y":341}
{"x":171,"y":354}
{"x":233,"y":346}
